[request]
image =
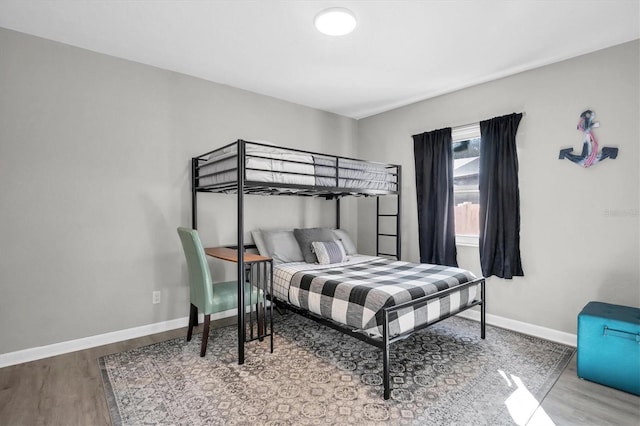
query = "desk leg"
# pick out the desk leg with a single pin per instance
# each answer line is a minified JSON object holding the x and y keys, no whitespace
{"x":261,"y":319}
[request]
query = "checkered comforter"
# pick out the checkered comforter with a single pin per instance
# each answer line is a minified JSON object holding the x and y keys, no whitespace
{"x":354,"y":294}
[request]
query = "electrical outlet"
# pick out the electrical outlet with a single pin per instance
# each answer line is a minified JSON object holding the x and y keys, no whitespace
{"x":155,"y":297}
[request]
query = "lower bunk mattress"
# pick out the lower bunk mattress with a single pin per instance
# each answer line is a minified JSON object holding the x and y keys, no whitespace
{"x":355,"y":292}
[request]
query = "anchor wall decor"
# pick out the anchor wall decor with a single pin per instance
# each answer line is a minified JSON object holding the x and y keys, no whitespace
{"x":590,"y":154}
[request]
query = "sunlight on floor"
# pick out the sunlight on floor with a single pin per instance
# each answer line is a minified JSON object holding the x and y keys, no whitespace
{"x":522,"y":405}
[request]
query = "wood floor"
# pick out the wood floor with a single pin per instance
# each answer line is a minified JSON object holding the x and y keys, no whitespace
{"x":68,"y":390}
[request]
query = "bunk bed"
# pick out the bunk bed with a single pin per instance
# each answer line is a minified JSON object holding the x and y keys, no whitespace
{"x":247,"y":167}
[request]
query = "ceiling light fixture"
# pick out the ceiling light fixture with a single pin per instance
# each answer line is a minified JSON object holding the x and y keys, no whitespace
{"x":335,"y":21}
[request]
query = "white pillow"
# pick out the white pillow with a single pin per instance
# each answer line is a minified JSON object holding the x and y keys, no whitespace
{"x":343,"y":236}
{"x":329,"y":252}
{"x":282,"y":246}
{"x":259,"y":242}
{"x":234,"y":148}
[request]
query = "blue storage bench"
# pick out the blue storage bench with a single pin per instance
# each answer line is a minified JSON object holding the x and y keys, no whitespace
{"x":609,"y":346}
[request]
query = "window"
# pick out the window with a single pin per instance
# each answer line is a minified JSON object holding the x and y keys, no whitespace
{"x":466,"y":194}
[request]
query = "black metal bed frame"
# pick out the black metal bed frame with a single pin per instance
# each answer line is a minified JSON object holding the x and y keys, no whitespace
{"x":241,"y":186}
{"x":385,"y":341}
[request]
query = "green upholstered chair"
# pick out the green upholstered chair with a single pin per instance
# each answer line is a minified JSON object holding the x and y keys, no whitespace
{"x":206,"y":296}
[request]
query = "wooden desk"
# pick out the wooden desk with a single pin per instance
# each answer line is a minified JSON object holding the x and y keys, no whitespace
{"x":231,"y":255}
{"x":258,"y":273}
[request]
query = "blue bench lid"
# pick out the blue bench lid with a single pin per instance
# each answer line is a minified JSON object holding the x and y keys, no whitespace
{"x":626,"y":314}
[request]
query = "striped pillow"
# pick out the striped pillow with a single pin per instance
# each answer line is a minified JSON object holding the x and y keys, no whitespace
{"x":329,"y":252}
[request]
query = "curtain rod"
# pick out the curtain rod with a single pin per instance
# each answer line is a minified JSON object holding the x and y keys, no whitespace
{"x":477,"y":123}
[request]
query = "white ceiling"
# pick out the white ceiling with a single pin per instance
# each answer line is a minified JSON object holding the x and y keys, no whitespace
{"x":401,"y":52}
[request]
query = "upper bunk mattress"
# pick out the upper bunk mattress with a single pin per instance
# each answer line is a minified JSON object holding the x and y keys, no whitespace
{"x":284,"y":166}
{"x":355,"y":292}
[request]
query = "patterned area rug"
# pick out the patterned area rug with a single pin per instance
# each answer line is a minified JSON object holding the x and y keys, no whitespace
{"x":445,"y":374}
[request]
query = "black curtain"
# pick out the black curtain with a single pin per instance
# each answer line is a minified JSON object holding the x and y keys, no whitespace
{"x":499,"y":198}
{"x":434,"y":187}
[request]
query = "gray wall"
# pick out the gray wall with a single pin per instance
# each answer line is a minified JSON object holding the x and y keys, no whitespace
{"x":579,"y":231}
{"x":94,"y":180}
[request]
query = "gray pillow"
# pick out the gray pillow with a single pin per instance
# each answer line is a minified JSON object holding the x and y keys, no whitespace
{"x":342,"y":235}
{"x":282,"y":246}
{"x":308,"y":235}
{"x":329,"y":252}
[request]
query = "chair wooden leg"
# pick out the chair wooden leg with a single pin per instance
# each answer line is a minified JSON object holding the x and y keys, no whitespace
{"x":193,"y":321}
{"x":205,"y":334}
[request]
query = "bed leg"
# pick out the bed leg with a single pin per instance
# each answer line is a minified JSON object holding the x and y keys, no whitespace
{"x":385,"y":355}
{"x":483,"y":320}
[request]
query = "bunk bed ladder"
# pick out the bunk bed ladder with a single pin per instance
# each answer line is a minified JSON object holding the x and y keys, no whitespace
{"x":398,"y":230}
{"x":382,"y":234}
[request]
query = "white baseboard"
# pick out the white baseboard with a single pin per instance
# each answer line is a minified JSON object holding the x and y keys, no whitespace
{"x":524,"y":328}
{"x":40,"y":352}
{"x":47,"y":351}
